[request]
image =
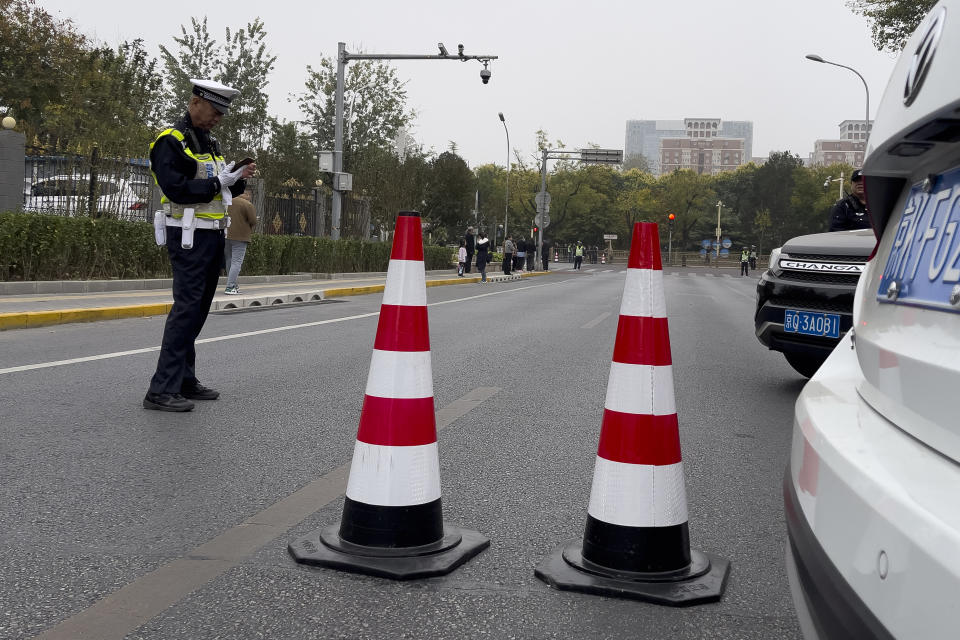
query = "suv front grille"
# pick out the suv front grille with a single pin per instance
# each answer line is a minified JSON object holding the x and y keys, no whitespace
{"x":812,"y":304}
{"x":817,"y":276}
{"x":828,"y":258}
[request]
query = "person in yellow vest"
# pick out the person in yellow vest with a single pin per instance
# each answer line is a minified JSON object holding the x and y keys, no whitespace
{"x":744,"y":262}
{"x":198,"y":185}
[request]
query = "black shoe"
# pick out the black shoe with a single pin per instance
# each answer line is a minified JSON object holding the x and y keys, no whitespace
{"x":199,"y":392}
{"x":166,"y":402}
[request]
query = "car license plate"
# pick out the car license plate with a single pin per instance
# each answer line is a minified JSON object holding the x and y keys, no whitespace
{"x":811,"y":323}
{"x":923,"y":267}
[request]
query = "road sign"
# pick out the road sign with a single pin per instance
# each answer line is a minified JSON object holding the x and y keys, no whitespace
{"x":542,"y":220}
{"x":601,"y":156}
{"x":326,"y":161}
{"x":543,"y":201}
{"x":609,"y":236}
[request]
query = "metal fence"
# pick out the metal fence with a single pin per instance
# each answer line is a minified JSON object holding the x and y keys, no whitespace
{"x":86,"y":185}
{"x":124,"y":189}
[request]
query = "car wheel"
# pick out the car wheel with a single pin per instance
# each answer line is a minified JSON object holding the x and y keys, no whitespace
{"x":804,"y":364}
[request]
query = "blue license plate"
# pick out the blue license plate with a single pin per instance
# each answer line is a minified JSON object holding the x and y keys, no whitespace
{"x":811,"y":323}
{"x":923,"y":267}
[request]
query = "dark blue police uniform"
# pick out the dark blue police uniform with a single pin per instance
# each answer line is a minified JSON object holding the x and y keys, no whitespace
{"x":184,"y":161}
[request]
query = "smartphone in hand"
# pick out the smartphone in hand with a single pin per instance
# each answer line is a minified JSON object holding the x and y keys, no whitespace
{"x":243,"y":163}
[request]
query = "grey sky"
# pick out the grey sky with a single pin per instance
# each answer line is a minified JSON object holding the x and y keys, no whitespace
{"x":579,"y":70}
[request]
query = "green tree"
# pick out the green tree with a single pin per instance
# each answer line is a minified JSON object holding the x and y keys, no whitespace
{"x":288,"y":160}
{"x":375,"y":106}
{"x":197,"y":56}
{"x":242,"y":61}
{"x":37,"y":53}
{"x":246,"y":66}
{"x":449,"y":196}
{"x":774,"y":183}
{"x":892,"y":21}
{"x":689,"y":196}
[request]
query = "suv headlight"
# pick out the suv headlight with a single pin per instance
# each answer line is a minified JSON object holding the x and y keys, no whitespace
{"x":774,"y":259}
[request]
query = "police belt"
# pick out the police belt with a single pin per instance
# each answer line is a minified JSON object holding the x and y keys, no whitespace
{"x":201,"y":223}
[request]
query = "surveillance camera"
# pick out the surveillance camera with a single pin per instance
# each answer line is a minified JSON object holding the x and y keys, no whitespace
{"x":826,"y":183}
{"x":485,"y":75}
{"x":460,"y":49}
{"x":443,"y":49}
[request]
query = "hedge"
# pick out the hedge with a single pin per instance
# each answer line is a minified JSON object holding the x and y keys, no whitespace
{"x":47,"y":247}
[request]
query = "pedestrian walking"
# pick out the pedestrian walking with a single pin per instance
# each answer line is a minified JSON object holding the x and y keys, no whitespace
{"x":521,"y":258}
{"x":198,"y":185}
{"x":470,"y":245}
{"x":483,"y":255}
{"x":461,"y":257}
{"x":243,"y":218}
{"x":578,"y":255}
{"x":753,"y":257}
{"x":531,"y":254}
{"x":508,"y":249}
{"x":545,"y":255}
{"x":744,"y":262}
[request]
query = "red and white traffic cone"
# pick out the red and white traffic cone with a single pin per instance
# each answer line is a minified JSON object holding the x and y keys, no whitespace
{"x":637,"y":543}
{"x":556,"y":256}
{"x":392,"y":523}
{"x":603,"y":258}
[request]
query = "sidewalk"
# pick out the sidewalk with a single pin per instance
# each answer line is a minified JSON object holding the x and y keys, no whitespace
{"x":38,"y":304}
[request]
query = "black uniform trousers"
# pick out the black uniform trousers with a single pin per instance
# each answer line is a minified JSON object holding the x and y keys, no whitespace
{"x":196,"y":273}
{"x":466,"y":269}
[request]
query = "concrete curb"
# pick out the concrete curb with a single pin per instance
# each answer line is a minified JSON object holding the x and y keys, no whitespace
{"x":31,"y":319}
{"x":100,"y":286}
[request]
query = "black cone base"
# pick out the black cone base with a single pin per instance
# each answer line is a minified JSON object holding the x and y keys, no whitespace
{"x":325,"y":548}
{"x":703,"y":581}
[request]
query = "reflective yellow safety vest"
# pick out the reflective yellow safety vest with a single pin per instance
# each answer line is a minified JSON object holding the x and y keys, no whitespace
{"x":579,"y":250}
{"x":208,"y":166}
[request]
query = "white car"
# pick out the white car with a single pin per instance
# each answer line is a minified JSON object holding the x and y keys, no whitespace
{"x":872,"y":492}
{"x":70,"y":195}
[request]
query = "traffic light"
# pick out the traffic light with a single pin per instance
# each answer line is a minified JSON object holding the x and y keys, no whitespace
{"x":670,"y":219}
{"x":535,"y":229}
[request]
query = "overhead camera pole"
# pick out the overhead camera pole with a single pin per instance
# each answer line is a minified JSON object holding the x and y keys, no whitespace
{"x":343,"y":57}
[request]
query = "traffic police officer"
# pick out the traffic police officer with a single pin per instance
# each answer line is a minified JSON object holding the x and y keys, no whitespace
{"x":851,"y":212}
{"x":197,"y":187}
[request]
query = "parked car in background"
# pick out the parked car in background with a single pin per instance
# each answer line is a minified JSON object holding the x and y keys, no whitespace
{"x":70,"y":195}
{"x":870,"y":493}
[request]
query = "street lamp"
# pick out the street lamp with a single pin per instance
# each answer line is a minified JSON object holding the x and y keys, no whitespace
{"x":866,"y":120}
{"x":719,"y":205}
{"x":506,"y":205}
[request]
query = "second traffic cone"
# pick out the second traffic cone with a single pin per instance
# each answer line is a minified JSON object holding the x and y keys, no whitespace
{"x":392,"y":523}
{"x":637,"y":542}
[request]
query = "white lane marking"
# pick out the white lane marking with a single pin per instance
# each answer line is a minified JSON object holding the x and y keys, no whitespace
{"x":600,"y":318}
{"x":247,"y":334}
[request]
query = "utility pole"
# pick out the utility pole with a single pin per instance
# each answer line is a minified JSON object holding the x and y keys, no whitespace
{"x":342,"y":181}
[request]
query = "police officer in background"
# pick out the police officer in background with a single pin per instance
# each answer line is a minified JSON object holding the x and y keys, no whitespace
{"x":851,"y":212}
{"x":197,"y":186}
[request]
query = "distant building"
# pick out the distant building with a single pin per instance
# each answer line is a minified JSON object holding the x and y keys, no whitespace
{"x":646,"y":138}
{"x":849,"y":148}
{"x":701,"y":155}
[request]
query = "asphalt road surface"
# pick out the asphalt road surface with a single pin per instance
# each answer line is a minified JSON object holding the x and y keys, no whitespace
{"x":116,"y":522}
